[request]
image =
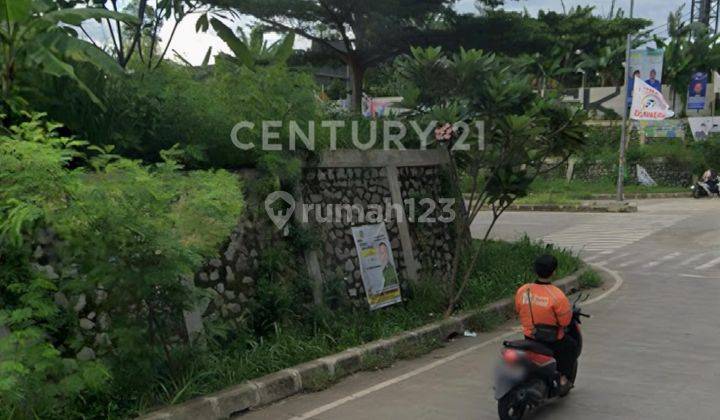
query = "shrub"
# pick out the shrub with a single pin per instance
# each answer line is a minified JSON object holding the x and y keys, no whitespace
{"x":589,"y":279}
{"x":126,"y":232}
{"x":150,"y":111}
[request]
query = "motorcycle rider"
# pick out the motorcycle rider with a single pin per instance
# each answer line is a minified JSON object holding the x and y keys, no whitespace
{"x":544,"y":312}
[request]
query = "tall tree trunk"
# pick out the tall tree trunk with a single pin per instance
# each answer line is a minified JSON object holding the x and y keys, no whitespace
{"x":358,"y":75}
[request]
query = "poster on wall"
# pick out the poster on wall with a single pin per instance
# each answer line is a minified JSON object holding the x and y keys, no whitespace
{"x":647,"y":65}
{"x":697,"y":91}
{"x":668,"y":129}
{"x":703,"y":127}
{"x":377,"y":265}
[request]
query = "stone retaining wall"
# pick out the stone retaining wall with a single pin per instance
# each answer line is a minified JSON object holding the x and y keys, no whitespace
{"x":341,"y":179}
{"x":663,"y":172}
{"x":393,"y":181}
{"x":348,"y":186}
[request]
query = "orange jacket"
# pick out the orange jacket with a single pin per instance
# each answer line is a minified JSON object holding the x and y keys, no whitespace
{"x":549,"y":306}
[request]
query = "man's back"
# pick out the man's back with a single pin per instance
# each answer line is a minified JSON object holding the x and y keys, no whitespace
{"x":549,"y":306}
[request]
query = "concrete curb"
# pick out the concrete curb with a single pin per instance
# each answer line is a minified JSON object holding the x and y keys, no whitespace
{"x":636,"y":196}
{"x":577,"y":208}
{"x":304,"y":377}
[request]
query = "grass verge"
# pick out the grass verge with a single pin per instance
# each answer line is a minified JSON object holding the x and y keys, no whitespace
{"x":559,"y":191}
{"x":307,"y":332}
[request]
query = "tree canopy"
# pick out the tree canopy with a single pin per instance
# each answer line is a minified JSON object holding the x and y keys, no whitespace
{"x":360,"y":33}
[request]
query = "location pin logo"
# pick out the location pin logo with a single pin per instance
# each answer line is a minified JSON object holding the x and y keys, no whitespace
{"x":280,"y":217}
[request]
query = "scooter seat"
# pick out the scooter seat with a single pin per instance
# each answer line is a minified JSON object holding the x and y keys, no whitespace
{"x":529,"y":345}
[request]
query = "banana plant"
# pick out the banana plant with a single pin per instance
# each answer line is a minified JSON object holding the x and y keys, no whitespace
{"x":689,"y":48}
{"x":251,"y":51}
{"x":35,"y":36}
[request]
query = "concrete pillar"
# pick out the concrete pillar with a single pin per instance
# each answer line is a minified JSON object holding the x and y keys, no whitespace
{"x":411,"y":264}
{"x":193,"y":318}
{"x":570,"y":169}
{"x":310,"y":255}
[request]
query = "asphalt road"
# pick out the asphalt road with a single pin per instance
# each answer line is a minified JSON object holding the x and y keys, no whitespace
{"x":652,"y":348}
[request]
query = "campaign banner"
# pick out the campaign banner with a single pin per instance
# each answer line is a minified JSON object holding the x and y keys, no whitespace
{"x":647,"y":65}
{"x":648,"y":103}
{"x":703,"y":127}
{"x":377,"y":265}
{"x":697,"y":91}
{"x":668,"y":129}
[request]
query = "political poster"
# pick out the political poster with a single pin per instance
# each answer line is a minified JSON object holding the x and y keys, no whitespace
{"x":697,"y":91}
{"x":668,"y":129}
{"x":703,"y":127}
{"x":647,"y":65}
{"x":648,"y":103}
{"x":377,"y":265}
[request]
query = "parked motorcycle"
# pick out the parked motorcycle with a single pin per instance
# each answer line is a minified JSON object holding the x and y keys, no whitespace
{"x":707,"y":186}
{"x":527,"y":375}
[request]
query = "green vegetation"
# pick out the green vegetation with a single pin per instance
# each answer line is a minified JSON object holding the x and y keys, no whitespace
{"x":559,"y":191}
{"x":106,"y":215}
{"x":303,"y":333}
{"x":125,"y":234}
{"x":590,"y":279}
{"x":600,"y":150}
{"x":33,"y":41}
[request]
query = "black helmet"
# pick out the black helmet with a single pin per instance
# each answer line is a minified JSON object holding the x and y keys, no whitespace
{"x":545,"y":266}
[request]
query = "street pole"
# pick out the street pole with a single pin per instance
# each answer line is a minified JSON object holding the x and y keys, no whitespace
{"x":623,"y":129}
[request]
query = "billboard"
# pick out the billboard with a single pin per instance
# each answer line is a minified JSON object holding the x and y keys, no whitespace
{"x":647,"y":65}
{"x":702,"y":127}
{"x":697,"y":91}
{"x":668,"y":129}
{"x":377,"y":265}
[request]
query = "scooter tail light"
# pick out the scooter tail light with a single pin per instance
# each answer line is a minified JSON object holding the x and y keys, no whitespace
{"x":540,"y":359}
{"x":512,"y":356}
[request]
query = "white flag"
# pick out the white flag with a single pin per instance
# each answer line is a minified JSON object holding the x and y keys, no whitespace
{"x":648,"y":103}
{"x":644,"y":177}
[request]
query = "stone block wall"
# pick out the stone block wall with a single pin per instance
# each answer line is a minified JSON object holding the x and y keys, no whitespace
{"x":388,"y":180}
{"x":432,"y":241}
{"x":352,"y":186}
{"x":231,"y":277}
{"x":384,"y":179}
{"x":662,"y":171}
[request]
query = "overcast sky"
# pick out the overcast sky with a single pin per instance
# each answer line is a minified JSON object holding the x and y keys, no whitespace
{"x":193,"y":46}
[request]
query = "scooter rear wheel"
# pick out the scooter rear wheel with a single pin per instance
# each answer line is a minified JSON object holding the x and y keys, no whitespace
{"x":509,"y":408}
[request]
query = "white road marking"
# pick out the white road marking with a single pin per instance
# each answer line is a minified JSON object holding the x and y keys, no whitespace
{"x":712,"y":263}
{"x":661,"y":260}
{"x":696,"y":276}
{"x":631,"y":262}
{"x":693,"y":259}
{"x":377,"y":387}
{"x":609,"y":233}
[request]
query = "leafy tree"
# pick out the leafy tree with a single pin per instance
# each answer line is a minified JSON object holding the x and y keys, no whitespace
{"x":525,"y":135}
{"x":35,"y":37}
{"x":556,"y":42}
{"x":360,"y":33}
